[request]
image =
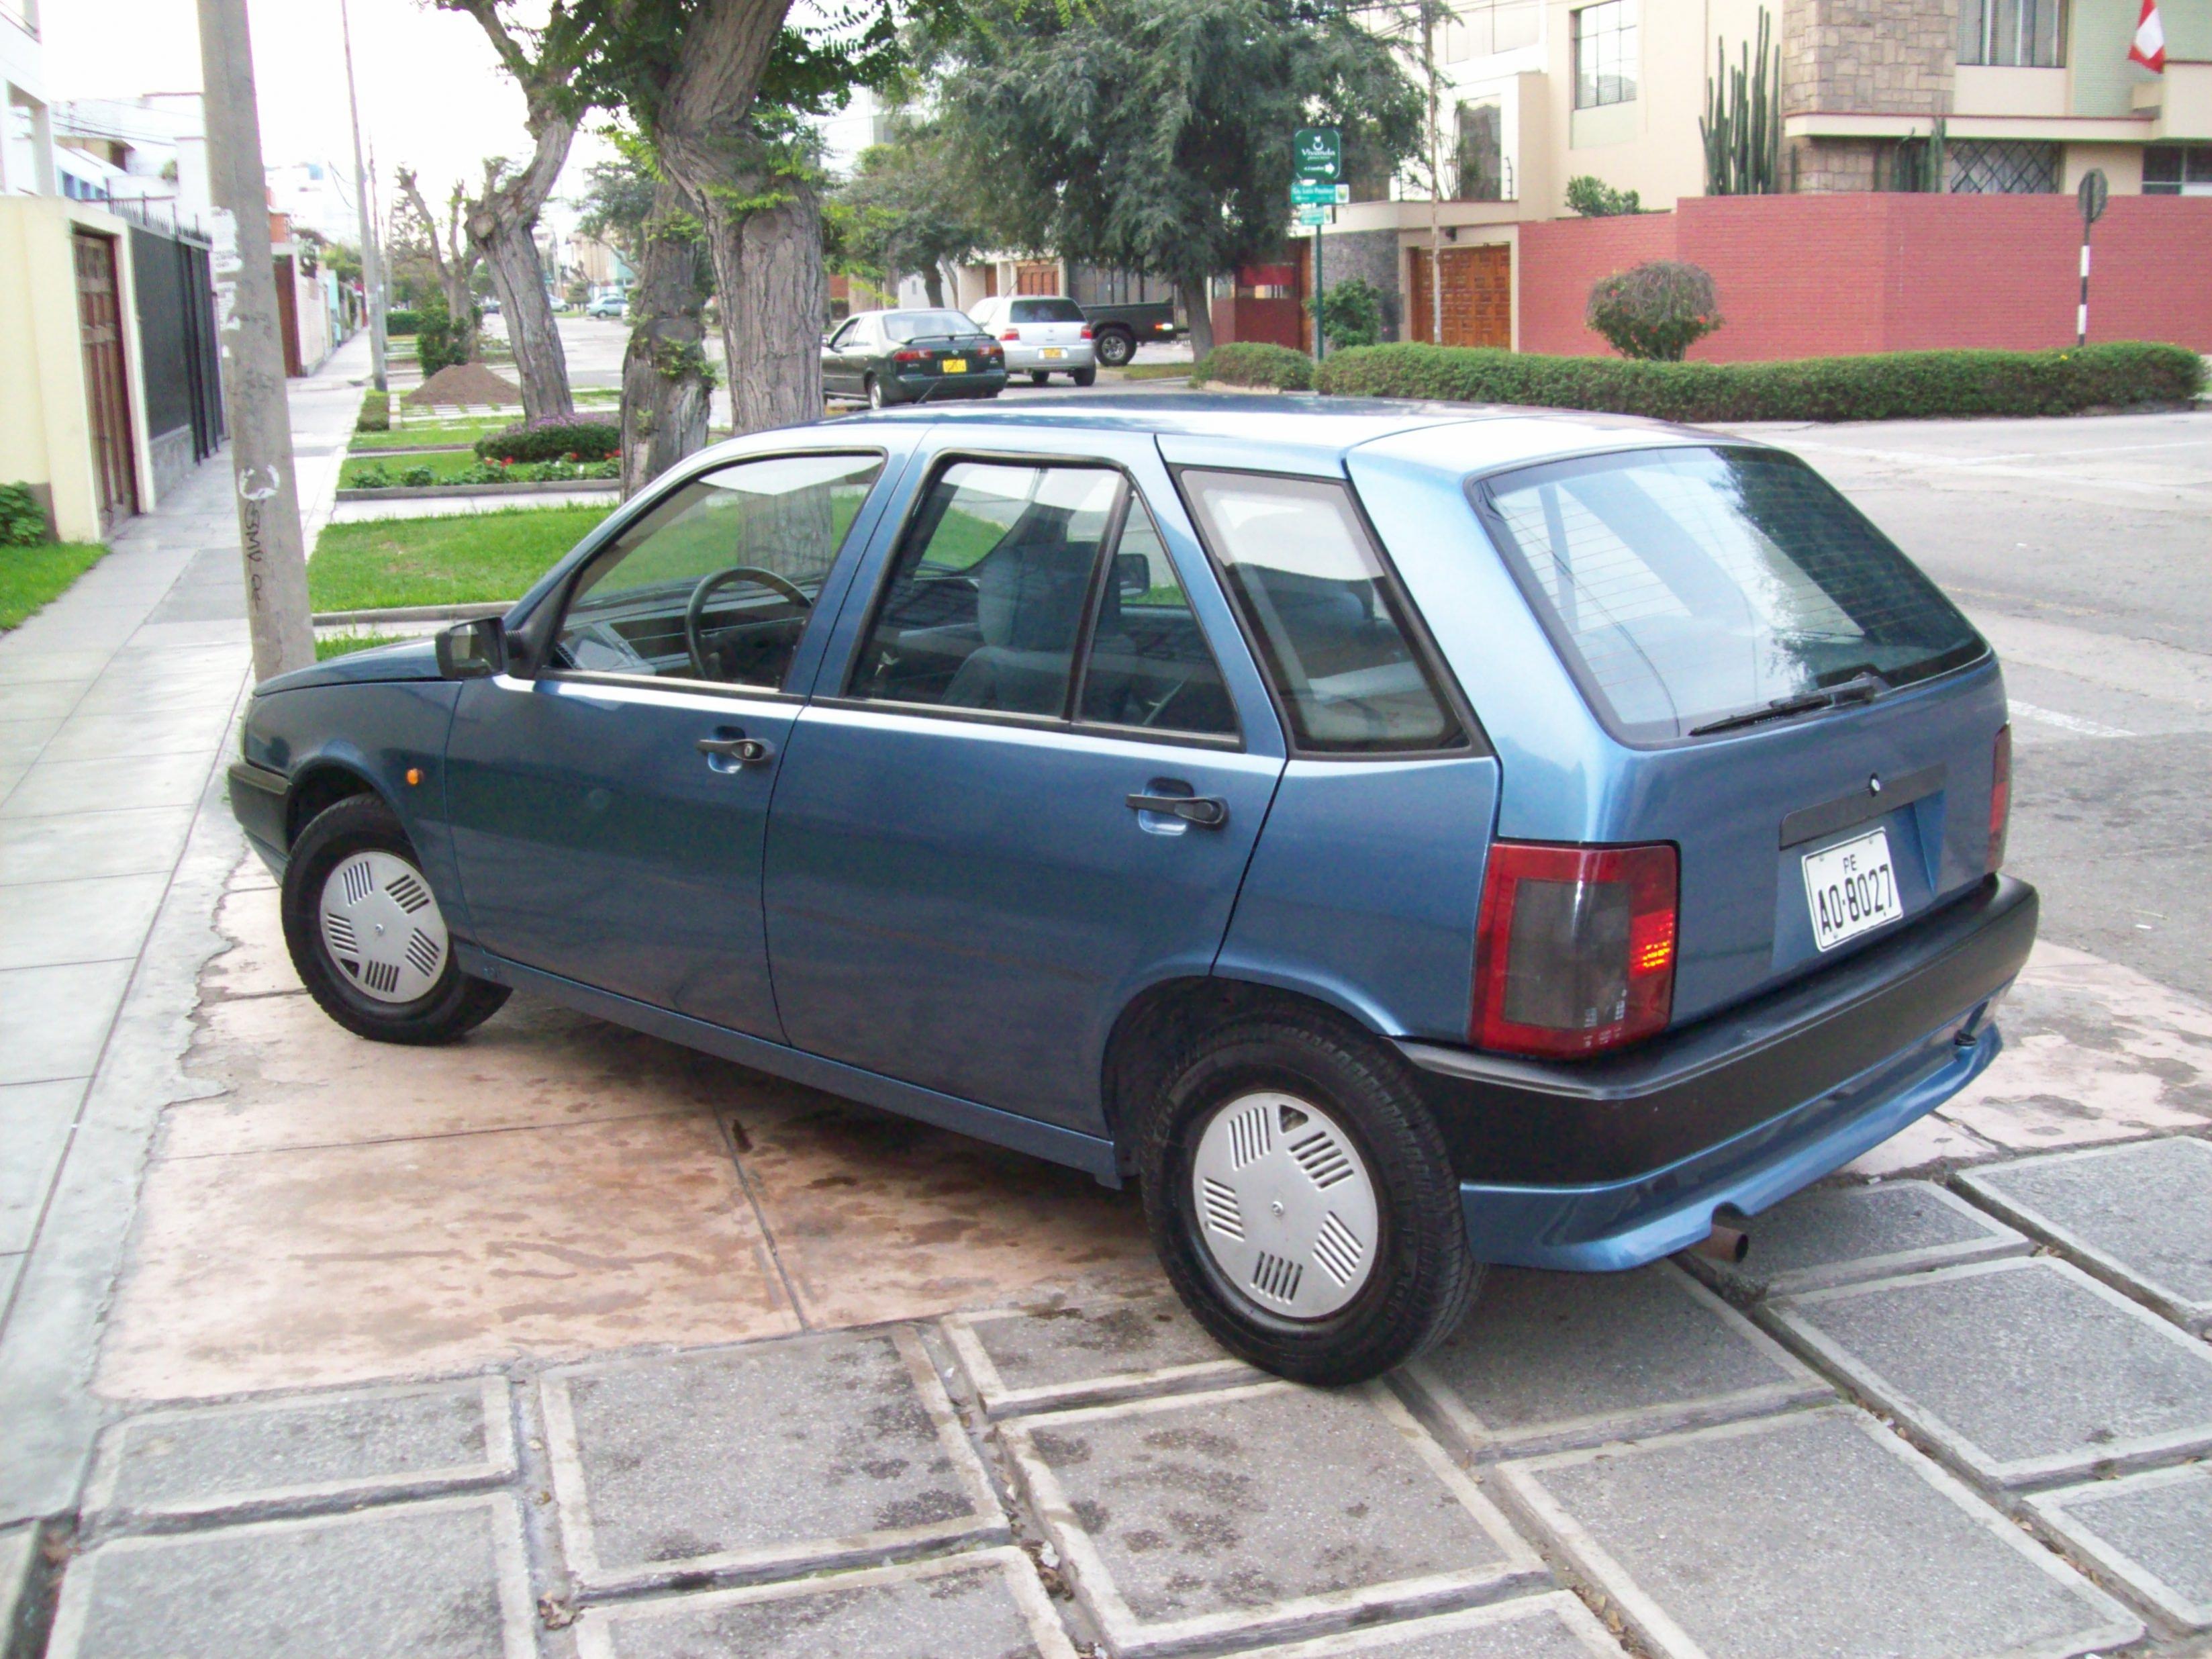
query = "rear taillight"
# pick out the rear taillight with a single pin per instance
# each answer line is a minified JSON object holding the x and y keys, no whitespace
{"x":1086,"y":333}
{"x":1575,"y":950}
{"x":909,"y":356}
{"x":1012,"y":334}
{"x":1999,"y":796}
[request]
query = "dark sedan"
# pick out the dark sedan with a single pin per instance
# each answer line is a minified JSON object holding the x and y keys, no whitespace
{"x":886,"y":357}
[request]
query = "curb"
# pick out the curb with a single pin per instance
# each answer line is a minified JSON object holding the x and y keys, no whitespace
{"x":451,"y":492}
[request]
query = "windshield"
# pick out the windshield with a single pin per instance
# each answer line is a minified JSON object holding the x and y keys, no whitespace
{"x":919,"y":325}
{"x":1685,"y":585}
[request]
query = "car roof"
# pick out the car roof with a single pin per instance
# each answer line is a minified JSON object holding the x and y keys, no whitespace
{"x":1302,"y":433}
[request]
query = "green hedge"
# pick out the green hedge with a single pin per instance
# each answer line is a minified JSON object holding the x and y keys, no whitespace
{"x":375,"y":413}
{"x":554,"y":440}
{"x":398,"y":322}
{"x":1885,"y":387}
{"x":1250,"y":363}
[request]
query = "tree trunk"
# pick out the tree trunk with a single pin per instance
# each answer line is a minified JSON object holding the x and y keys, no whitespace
{"x":1198,"y":308}
{"x":665,"y":388}
{"x":511,"y":252}
{"x":933,"y":283}
{"x":767,"y":265}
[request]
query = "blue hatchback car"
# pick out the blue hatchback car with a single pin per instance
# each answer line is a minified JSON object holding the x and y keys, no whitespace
{"x":1401,"y":840}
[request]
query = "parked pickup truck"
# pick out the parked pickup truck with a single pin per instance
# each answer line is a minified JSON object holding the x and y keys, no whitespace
{"x":1119,"y":329}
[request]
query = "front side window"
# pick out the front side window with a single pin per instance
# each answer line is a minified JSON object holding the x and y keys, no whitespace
{"x":2016,"y":34}
{"x":716,"y":582}
{"x":1684,"y":587}
{"x":1605,"y":54}
{"x":1331,"y":634}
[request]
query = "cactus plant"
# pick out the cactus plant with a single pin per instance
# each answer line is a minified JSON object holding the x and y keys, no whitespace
{"x":1743,"y":124}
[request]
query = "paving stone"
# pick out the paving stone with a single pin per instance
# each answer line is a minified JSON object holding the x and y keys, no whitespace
{"x":18,"y":1551}
{"x":1551,"y":1360}
{"x":1843,"y":1235}
{"x":1554,"y":1625}
{"x":984,"y":1606}
{"x":1813,"y":1533}
{"x":792,"y":1456}
{"x":2152,"y":1532}
{"x":1027,"y":1359}
{"x":440,"y":1580}
{"x":2138,"y":1216}
{"x":2020,"y":1373}
{"x":320,"y":1451}
{"x":1265,"y":1511}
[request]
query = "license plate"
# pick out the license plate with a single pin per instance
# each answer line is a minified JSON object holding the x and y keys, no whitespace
{"x":953,"y":366}
{"x":1852,"y":887}
{"x":1053,"y":351}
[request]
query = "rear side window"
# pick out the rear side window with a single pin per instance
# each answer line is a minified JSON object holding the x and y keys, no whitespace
{"x":1047,"y":311}
{"x":1332,"y":633}
{"x":1685,"y":585}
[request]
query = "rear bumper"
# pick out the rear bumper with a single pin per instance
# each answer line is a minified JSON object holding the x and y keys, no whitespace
{"x":1616,"y":1163}
{"x":1023,"y":358}
{"x":946,"y":388}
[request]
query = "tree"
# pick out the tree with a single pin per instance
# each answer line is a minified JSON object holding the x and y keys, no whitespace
{"x":1594,"y":198}
{"x":452,"y":258}
{"x":1350,"y":313}
{"x":1656,"y":311}
{"x":502,"y":219}
{"x":1155,"y":135}
{"x":910,"y":206}
{"x":618,"y":203}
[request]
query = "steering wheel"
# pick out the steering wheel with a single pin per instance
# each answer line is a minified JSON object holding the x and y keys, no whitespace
{"x":695,"y":612}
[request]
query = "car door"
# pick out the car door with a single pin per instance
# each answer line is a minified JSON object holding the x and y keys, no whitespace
{"x":609,"y":813}
{"x":1014,"y":801}
{"x":837,"y":372}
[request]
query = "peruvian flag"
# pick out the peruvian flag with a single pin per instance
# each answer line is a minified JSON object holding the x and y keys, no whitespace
{"x":2149,"y":47}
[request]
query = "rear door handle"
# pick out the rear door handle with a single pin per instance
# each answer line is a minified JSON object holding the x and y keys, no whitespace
{"x":1206,"y":811}
{"x":746,"y":751}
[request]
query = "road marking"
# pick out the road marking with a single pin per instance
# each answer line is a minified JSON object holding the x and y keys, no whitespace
{"x":2074,"y":723}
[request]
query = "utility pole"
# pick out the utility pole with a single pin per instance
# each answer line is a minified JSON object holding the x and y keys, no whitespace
{"x":1436,"y":176}
{"x":372,"y":257}
{"x":252,"y":353}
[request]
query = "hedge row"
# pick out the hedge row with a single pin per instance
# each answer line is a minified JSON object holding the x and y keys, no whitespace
{"x":1253,"y":363}
{"x":375,"y":413}
{"x":1885,"y":386}
{"x":397,"y":323}
{"x":558,"y":439}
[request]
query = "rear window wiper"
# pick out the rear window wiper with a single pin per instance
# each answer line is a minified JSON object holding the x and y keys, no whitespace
{"x":1862,"y":687}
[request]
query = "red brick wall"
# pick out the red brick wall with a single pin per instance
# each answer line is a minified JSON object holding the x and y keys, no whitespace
{"x":1821,"y":275}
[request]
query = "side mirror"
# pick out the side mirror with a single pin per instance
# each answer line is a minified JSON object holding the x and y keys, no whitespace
{"x":1132,"y":575}
{"x":472,"y":650}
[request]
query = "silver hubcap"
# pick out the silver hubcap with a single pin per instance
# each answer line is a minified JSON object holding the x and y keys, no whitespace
{"x":382,"y":927}
{"x":1285,"y":1205}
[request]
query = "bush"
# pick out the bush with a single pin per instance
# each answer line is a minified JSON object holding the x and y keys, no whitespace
{"x":1350,"y":313}
{"x":554,"y":439}
{"x":399,"y":323}
{"x":1596,"y":199}
{"x":440,"y":341}
{"x":21,"y":523}
{"x":1889,"y":387}
{"x":1655,"y":311}
{"x":1253,"y":362}
{"x":375,"y":413}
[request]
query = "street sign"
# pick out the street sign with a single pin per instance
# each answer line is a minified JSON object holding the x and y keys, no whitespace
{"x":2093,"y":193}
{"x":1319,"y":152}
{"x":1304,"y":194}
{"x":1312,"y":215}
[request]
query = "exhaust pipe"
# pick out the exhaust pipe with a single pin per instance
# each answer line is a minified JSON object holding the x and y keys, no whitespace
{"x":1728,"y":1245}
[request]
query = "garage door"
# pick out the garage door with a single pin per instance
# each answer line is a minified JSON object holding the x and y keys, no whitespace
{"x":1478,"y":296}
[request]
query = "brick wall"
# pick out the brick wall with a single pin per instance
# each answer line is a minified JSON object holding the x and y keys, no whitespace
{"x":1825,"y":275}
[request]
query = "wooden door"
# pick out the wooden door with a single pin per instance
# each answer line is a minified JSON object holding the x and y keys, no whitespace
{"x":106,"y":380}
{"x":1036,"y":277}
{"x":1478,"y":296}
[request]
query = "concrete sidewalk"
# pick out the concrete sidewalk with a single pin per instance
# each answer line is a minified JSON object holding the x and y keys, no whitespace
{"x":117,"y":706}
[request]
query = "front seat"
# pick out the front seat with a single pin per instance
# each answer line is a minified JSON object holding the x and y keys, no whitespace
{"x":1029,"y":604}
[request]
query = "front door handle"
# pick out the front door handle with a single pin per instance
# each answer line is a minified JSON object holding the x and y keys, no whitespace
{"x":746,"y":751}
{"x":1206,"y":811}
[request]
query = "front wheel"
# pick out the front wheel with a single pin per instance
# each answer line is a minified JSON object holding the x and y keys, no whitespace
{"x":367,"y":935}
{"x":1302,"y":1202}
{"x":1085,"y":376}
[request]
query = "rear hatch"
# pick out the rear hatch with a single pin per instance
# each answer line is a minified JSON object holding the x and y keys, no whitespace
{"x":1047,"y":326}
{"x":1797,"y":708}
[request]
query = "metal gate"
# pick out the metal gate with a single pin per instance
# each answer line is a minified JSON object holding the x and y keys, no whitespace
{"x":1478,"y":295}
{"x":107,"y":381}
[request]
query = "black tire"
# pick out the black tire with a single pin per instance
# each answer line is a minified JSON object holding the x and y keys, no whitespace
{"x":1424,"y":1277}
{"x":1039,"y":376}
{"x":1115,"y":348}
{"x":873,"y":389}
{"x":455,"y":1004}
{"x":1084,"y":376}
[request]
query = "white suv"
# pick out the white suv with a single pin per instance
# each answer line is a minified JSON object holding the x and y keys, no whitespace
{"x":1044,"y":335}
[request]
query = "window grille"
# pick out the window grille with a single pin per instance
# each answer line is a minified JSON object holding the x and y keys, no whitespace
{"x":2000,"y":167}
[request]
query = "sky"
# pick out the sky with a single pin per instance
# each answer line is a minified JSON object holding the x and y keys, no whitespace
{"x":433,"y":96}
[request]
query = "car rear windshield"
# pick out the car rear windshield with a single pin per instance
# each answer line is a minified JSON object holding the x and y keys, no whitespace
{"x":1047,"y":311}
{"x":1683,"y":587}
{"x":921,"y":324}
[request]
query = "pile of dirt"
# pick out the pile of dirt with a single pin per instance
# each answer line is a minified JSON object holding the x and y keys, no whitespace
{"x":464,"y":383}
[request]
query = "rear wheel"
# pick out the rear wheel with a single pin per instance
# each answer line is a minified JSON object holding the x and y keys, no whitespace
{"x":1115,"y":348}
{"x":874,"y":388}
{"x":1085,"y":376}
{"x":1301,"y":1198}
{"x":1039,"y":376}
{"x":367,"y":935}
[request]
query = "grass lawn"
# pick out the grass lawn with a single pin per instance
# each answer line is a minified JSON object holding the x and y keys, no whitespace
{"x":344,"y":645}
{"x":1154,"y":371}
{"x":33,"y":576}
{"x":374,"y":564}
{"x":446,"y":464}
{"x":420,"y":434}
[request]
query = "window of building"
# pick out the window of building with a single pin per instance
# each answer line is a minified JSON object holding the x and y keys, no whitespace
{"x":1479,"y":154}
{"x":1605,"y":54}
{"x":1480,"y":28}
{"x":2002,"y":166}
{"x":2014,"y":34}
{"x":2178,"y":170}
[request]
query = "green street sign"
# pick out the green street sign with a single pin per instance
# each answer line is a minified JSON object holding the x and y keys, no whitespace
{"x":1304,"y":194}
{"x":1312,"y":215}
{"x":1319,"y":152}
